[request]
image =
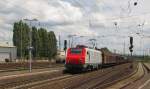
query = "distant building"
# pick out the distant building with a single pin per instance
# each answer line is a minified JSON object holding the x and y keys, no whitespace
{"x":8,"y":53}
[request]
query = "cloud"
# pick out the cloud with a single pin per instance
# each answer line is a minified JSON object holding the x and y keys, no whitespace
{"x":55,"y":11}
{"x":82,"y":17}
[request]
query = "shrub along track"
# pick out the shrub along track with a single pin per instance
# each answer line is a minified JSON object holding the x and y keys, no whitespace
{"x":89,"y":79}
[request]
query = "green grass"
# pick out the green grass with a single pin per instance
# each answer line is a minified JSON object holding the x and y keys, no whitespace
{"x":146,"y":59}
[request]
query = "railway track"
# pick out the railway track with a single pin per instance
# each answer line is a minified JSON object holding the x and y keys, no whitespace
{"x":7,"y":82}
{"x":141,"y":82}
{"x":26,"y":86}
{"x":58,"y":80}
{"x":85,"y":80}
{"x":84,"y":77}
{"x":24,"y":66}
{"x":129,"y":82}
{"x":103,"y":81}
{"x":37,"y":84}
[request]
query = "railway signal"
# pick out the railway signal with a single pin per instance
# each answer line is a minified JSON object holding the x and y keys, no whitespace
{"x":131,"y":40}
{"x":65,"y":45}
{"x":135,"y":3}
{"x":131,"y":45}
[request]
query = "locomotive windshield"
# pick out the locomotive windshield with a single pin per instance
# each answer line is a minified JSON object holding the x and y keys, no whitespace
{"x":75,"y":51}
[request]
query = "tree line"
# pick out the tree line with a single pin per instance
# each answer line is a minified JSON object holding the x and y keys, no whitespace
{"x":44,"y":43}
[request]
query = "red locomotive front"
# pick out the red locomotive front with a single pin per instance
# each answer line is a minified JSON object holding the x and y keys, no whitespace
{"x":75,"y":56}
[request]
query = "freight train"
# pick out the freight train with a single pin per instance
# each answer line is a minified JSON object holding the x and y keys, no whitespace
{"x":86,"y":58}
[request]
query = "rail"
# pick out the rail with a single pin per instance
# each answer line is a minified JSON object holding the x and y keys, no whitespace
{"x":129,"y":80}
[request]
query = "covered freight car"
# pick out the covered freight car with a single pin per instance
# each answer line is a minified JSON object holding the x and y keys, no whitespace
{"x":110,"y":58}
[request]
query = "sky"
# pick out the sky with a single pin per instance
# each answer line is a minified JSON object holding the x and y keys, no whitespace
{"x":110,"y":22}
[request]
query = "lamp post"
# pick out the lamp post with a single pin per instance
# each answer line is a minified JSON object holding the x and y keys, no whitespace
{"x":59,"y":42}
{"x":30,"y":42}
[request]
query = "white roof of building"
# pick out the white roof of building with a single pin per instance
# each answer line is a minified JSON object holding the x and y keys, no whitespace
{"x":7,"y":46}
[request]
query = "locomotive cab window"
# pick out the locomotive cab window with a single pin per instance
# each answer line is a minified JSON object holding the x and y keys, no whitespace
{"x":76,"y":51}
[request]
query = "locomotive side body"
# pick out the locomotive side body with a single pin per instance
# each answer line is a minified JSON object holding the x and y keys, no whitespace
{"x":93,"y":58}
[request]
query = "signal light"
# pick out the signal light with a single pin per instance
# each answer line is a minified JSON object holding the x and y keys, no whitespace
{"x":131,"y":45}
{"x":65,"y":45}
{"x":131,"y":40}
{"x":135,"y":3}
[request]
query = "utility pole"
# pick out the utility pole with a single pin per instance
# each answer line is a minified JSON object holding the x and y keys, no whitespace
{"x":30,"y":48}
{"x":30,"y":43}
{"x":115,"y":51}
{"x":59,"y":43}
{"x":71,"y":42}
{"x":149,"y":51}
{"x":124,"y":47}
{"x":21,"y":41}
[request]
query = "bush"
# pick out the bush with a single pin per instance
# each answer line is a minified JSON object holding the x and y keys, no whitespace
{"x":7,"y":60}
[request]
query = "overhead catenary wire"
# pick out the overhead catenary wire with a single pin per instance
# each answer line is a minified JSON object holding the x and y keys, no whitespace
{"x":116,"y":18}
{"x":108,"y":19}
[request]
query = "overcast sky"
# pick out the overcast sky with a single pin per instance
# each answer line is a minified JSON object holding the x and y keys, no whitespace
{"x":111,"y":22}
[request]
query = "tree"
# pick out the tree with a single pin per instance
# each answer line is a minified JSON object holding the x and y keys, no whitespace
{"x":21,"y":38}
{"x":15,"y":38}
{"x":35,"y":42}
{"x":49,"y":45}
{"x":44,"y":43}
{"x":25,"y":39}
{"x":52,"y":44}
